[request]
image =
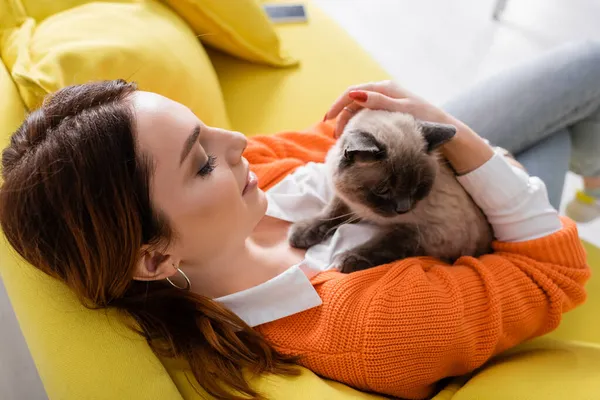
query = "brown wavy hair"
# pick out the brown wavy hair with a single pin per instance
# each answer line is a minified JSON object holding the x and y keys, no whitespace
{"x":76,"y":204}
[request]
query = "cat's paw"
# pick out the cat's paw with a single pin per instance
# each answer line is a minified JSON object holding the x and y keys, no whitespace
{"x":305,"y":234}
{"x":351,"y":261}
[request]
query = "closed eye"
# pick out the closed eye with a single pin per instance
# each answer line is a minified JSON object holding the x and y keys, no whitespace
{"x":382,"y":192}
{"x":208,"y":167}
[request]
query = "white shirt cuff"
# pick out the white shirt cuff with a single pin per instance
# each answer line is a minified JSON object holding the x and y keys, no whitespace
{"x":515,"y":204}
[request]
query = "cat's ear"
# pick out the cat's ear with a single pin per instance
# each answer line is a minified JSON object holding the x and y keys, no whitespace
{"x":436,"y":134}
{"x":362,"y":146}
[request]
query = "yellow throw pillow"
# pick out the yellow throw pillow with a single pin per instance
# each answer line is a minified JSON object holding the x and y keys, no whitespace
{"x":140,"y":41}
{"x":238,"y":27}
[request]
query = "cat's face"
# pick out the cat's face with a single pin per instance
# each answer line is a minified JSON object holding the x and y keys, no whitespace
{"x":384,"y":162}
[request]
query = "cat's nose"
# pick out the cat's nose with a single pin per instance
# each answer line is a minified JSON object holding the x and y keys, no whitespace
{"x":403,"y":206}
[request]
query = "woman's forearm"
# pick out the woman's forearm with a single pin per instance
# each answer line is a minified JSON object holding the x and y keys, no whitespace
{"x":467,"y":151}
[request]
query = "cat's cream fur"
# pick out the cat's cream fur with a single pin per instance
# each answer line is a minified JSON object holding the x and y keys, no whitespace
{"x":449,"y":221}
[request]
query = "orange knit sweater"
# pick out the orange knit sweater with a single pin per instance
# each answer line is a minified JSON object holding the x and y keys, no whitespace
{"x":399,"y":328}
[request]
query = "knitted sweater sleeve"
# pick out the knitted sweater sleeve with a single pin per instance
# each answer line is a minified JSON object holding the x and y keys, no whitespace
{"x":399,"y":328}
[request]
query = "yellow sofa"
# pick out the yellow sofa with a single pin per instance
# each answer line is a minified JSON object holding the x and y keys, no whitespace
{"x":84,"y":354}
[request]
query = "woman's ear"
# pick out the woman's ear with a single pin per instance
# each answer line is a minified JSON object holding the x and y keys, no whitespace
{"x":153,"y":265}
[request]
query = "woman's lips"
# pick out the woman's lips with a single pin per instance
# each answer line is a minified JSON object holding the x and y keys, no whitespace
{"x":251,"y":182}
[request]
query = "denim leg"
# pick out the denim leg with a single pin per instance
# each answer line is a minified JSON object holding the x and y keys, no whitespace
{"x":528,"y":103}
{"x":549,"y":160}
{"x":523,"y":106}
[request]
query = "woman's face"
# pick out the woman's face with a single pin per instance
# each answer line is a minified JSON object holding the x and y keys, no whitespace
{"x":199,"y":182}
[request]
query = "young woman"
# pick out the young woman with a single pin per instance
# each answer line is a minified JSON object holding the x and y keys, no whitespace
{"x":135,"y":204}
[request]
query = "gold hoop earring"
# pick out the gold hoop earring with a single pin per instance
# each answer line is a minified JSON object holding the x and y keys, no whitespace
{"x":188,"y":285}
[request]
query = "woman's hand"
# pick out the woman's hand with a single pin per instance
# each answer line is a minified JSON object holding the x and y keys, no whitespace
{"x":384,"y":95}
{"x":466,"y":151}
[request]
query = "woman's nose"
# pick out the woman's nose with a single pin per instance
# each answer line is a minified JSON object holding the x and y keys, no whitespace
{"x":236,"y":147}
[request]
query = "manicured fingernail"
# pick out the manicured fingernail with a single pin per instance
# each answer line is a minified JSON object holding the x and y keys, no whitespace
{"x":325,"y":117}
{"x":358,"y":96}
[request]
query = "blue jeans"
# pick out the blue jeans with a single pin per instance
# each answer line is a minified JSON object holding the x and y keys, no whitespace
{"x":546,"y":112}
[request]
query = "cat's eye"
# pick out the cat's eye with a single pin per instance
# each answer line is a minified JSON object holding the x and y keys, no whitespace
{"x":383,"y":192}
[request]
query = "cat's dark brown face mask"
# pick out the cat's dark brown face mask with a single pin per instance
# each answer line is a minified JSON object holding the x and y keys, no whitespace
{"x":389,"y":177}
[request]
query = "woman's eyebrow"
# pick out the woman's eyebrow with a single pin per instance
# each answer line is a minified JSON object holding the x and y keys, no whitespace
{"x":189,"y":143}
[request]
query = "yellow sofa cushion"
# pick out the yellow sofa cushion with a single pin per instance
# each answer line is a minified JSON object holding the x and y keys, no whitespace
{"x":542,"y":369}
{"x":141,"y":41}
{"x":239,"y":27}
{"x":267,"y":100}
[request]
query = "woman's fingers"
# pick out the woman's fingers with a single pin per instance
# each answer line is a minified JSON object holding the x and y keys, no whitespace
{"x":344,"y":116}
{"x":387,"y":88}
{"x":372,"y":100}
{"x":378,"y":101}
{"x":343,"y":101}
{"x":385,"y":95}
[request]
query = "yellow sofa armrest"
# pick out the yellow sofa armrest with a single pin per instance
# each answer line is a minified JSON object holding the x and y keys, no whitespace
{"x":80,"y":353}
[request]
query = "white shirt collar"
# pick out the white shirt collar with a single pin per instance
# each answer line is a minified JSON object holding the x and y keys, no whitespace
{"x":286,"y":294}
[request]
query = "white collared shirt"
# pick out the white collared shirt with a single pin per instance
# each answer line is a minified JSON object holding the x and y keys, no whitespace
{"x":515,"y":204}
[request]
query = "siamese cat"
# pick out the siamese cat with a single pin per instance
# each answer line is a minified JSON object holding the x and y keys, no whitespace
{"x":386,"y":171}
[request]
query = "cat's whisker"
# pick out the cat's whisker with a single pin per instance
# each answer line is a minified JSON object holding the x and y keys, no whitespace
{"x":419,"y":237}
{"x":356,"y":218}
{"x":351,"y":220}
{"x":338,"y":217}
